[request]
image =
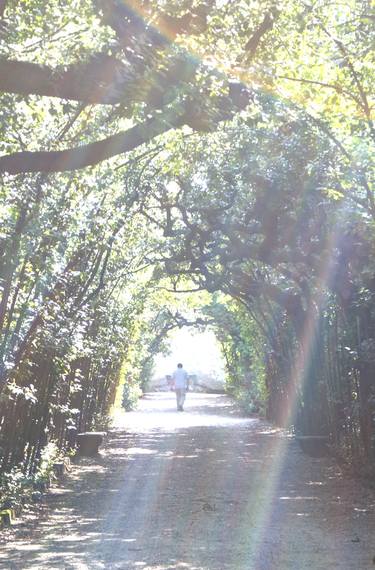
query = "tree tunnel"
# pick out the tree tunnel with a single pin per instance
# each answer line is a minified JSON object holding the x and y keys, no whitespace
{"x":159,"y":158}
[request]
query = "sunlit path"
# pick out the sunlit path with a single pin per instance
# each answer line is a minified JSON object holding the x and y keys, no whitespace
{"x":205,"y":489}
{"x":158,"y":411}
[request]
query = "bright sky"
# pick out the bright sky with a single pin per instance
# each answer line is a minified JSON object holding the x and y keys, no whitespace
{"x":198,"y":352}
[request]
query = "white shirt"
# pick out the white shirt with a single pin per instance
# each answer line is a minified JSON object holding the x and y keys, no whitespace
{"x":180,"y":378}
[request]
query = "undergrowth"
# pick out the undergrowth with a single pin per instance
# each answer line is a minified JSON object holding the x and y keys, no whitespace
{"x":18,"y":487}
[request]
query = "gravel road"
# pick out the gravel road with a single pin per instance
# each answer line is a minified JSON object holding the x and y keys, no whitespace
{"x":204,"y":489}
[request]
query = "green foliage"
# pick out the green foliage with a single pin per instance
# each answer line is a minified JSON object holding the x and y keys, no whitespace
{"x":16,"y":488}
{"x":241,"y":346}
{"x":268,"y":219}
{"x":130,"y":396}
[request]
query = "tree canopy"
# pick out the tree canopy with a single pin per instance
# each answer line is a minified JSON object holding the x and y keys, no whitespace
{"x":166,"y":163}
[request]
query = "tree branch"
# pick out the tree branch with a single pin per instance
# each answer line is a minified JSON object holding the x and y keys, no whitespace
{"x":93,"y":153}
{"x":365,"y":106}
{"x":3,"y":5}
{"x":333,"y":86}
{"x":102,"y":80}
{"x":88,"y":154}
{"x":138,"y":18}
{"x":265,"y":27}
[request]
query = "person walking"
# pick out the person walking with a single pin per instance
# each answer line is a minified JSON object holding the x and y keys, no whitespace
{"x":181,"y":386}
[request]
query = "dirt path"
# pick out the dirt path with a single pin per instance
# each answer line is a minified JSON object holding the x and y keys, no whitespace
{"x":201,"y":490}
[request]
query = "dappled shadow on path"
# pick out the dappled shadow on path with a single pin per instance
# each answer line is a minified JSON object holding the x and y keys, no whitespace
{"x":205,"y":489}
